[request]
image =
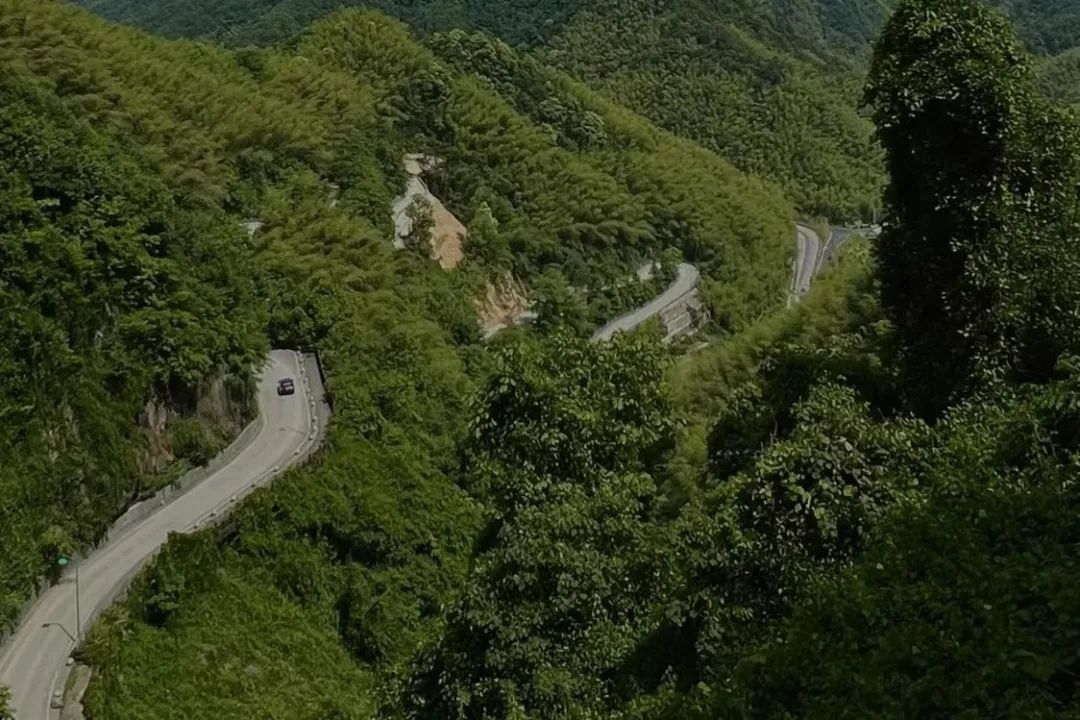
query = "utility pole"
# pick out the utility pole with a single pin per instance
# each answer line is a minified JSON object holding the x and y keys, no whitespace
{"x":59,"y":625}
{"x":64,"y":561}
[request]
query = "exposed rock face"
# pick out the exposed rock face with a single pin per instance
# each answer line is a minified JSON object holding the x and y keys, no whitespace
{"x":225,"y":403}
{"x":153,"y":421}
{"x":252,"y":227}
{"x":447,"y":233}
{"x":446,"y":237}
{"x":221,"y":403}
{"x":504,"y":304}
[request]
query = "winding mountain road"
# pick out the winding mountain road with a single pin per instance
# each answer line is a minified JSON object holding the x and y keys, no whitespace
{"x":806,"y":263}
{"x":838,"y":237}
{"x":808,"y":260}
{"x":33,"y":662}
{"x":685,"y":281}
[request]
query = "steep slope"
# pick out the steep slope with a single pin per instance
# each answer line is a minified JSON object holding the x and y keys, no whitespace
{"x":1047,"y":27}
{"x":120,"y":295}
{"x":1059,"y":77}
{"x":129,"y":166}
{"x":706,"y":76}
{"x":590,"y":209}
{"x":771,"y":86}
{"x":128,"y":286}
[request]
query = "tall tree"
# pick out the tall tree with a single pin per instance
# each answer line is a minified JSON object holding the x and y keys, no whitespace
{"x":980,"y":262}
{"x":558,"y":305}
{"x":563,"y":438}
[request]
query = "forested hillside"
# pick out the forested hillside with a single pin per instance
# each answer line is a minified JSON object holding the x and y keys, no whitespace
{"x":863,"y":507}
{"x":585,"y":189}
{"x":1046,"y":26}
{"x":1059,"y":77}
{"x":812,"y":26}
{"x":772,"y":87}
{"x":137,"y":306}
{"x":116,"y":287}
{"x":696,"y":71}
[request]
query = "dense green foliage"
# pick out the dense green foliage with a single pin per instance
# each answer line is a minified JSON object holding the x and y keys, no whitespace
{"x":987,"y":282}
{"x":130,"y":168}
{"x":862,"y":506}
{"x":1046,"y":26}
{"x":1059,"y":77}
{"x":116,"y":287}
{"x":704,"y":74}
{"x":968,"y":612}
{"x":770,"y":86}
{"x":566,"y":577}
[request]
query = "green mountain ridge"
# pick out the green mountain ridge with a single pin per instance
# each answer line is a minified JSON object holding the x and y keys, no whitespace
{"x":772,"y":88}
{"x":817,"y":23}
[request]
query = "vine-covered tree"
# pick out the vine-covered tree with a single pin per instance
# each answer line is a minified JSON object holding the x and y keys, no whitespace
{"x":980,"y":257}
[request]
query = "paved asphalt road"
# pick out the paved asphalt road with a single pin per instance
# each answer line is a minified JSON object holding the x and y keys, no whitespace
{"x":838,"y":237}
{"x":808,"y":261}
{"x":684,"y":283}
{"x":809,"y":250}
{"x":33,"y":659}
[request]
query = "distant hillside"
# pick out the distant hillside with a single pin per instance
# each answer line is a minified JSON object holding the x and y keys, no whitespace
{"x":804,"y":28}
{"x":1059,"y":77}
{"x":771,"y":87}
{"x":1047,"y":27}
{"x":739,"y":85}
{"x":792,"y":24}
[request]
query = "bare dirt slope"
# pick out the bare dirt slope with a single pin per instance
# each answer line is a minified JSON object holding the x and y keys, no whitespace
{"x":448,"y":232}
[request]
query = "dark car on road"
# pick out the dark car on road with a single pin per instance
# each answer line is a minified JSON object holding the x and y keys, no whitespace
{"x":286,"y":387}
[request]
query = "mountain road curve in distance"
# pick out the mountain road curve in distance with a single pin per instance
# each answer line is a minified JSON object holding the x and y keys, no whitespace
{"x":32,"y":661}
{"x":686,"y":281}
{"x":809,"y":248}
